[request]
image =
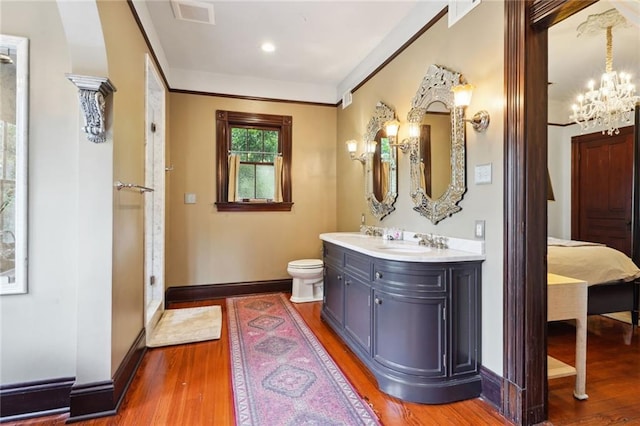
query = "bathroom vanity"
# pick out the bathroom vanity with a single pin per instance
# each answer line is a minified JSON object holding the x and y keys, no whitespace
{"x":410,"y":313}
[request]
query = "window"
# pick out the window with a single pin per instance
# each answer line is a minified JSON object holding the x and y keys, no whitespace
{"x":254,"y":162}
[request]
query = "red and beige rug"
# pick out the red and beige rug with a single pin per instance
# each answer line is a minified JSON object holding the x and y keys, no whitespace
{"x":281,"y":373}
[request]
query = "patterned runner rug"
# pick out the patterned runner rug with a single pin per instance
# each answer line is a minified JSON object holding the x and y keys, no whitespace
{"x":281,"y":373}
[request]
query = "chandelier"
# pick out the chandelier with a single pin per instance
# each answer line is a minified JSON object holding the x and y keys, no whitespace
{"x":612,"y":104}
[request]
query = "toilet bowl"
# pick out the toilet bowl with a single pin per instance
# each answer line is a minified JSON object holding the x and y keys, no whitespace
{"x":307,"y":280}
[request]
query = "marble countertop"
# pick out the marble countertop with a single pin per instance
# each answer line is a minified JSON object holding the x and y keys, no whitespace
{"x":407,"y":250}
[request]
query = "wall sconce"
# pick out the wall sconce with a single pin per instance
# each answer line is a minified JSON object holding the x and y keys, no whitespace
{"x":462,"y":98}
{"x":352,"y":147}
{"x":391,"y":128}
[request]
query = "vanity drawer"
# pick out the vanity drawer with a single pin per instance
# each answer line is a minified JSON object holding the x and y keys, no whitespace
{"x":358,"y":264}
{"x":414,"y":277}
{"x":333,"y":255}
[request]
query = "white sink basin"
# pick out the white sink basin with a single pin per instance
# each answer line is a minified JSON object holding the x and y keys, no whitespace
{"x":404,"y":248}
{"x":355,"y":235}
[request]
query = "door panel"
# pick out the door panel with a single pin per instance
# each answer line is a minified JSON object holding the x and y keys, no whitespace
{"x":357,"y":318}
{"x":410,"y":334}
{"x":334,"y":294}
{"x":602,"y":183}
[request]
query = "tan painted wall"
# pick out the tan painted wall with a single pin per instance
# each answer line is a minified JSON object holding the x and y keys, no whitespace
{"x":208,"y":247}
{"x":126,"y":51}
{"x":474,"y":47}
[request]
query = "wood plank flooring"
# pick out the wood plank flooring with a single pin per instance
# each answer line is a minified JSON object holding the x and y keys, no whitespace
{"x":613,"y":374}
{"x":191,"y":384}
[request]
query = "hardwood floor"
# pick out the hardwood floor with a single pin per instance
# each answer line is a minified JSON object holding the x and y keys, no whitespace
{"x":613,"y":374}
{"x":191,"y":384}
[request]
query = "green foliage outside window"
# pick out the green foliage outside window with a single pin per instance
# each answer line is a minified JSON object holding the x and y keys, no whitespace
{"x":257,"y":149}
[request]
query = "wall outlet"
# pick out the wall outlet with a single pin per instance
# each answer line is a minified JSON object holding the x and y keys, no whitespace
{"x":479,"y":229}
{"x":189,"y":198}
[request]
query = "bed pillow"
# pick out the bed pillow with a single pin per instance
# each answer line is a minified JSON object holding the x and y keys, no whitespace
{"x":591,"y":263}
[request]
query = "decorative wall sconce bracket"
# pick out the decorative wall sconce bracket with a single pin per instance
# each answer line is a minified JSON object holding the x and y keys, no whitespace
{"x":462,"y":99}
{"x":92,"y":92}
{"x":479,"y":121}
{"x":404,"y":146}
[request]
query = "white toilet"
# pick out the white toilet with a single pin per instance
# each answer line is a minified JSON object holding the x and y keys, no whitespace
{"x":307,"y":280}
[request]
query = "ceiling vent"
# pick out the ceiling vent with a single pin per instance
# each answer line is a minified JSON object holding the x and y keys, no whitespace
{"x":194,"y":11}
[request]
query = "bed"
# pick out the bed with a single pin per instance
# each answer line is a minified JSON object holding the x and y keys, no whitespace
{"x":613,"y":279}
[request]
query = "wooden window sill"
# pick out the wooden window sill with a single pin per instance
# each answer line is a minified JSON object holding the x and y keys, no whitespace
{"x":254,"y":207}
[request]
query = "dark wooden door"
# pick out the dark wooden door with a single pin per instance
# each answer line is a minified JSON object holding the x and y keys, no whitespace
{"x":601,"y":188}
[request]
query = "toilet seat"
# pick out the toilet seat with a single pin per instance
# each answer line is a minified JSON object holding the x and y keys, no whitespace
{"x":305,"y":264}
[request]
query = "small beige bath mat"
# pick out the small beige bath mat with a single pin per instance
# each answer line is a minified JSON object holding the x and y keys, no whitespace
{"x":187,"y":325}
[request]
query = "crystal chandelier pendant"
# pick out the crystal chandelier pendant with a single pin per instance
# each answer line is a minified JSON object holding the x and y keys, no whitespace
{"x":611,"y":105}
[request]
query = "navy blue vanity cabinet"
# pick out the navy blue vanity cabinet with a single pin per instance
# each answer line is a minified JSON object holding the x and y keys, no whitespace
{"x":357,"y":317}
{"x":415,"y":325}
{"x":333,"y":298}
{"x":347,"y":296}
{"x":412,"y":349}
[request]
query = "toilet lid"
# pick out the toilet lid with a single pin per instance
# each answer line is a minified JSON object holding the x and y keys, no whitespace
{"x":305,"y":263}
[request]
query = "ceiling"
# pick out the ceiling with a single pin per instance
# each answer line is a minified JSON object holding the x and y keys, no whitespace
{"x":325,"y":48}
{"x":573,"y":60}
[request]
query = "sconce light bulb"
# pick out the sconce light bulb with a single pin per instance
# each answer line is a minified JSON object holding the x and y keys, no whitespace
{"x":392,"y":127}
{"x":371,"y":147}
{"x":352,"y":145}
{"x":462,"y":94}
{"x":414,"y":130}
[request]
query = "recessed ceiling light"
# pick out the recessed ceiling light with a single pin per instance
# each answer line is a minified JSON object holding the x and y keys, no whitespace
{"x":268,"y":47}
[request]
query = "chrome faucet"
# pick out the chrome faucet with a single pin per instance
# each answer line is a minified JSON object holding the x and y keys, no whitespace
{"x":371,"y":230}
{"x":433,"y":241}
{"x":425,"y":239}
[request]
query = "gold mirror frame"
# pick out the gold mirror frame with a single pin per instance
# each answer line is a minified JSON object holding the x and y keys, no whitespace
{"x":380,"y":209}
{"x":436,"y":87}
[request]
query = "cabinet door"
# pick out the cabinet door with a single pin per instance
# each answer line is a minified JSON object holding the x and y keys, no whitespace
{"x":357,"y":312}
{"x":334,"y":294}
{"x":409,"y":334}
{"x":465,"y":320}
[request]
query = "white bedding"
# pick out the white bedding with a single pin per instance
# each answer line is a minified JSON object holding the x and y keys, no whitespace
{"x":591,"y":262}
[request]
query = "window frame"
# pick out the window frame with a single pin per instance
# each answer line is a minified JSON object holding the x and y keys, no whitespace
{"x":224,"y":121}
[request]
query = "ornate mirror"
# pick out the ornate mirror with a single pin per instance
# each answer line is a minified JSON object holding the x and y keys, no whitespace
{"x":381,"y":185}
{"x":14,"y":115}
{"x":437,"y":146}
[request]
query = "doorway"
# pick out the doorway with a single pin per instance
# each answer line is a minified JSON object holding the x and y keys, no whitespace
{"x":524,"y":388}
{"x":154,"y":209}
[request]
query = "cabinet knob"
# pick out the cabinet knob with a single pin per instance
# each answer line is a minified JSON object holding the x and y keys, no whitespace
{"x":378,"y":275}
{"x":339,"y":277}
{"x":347,"y":282}
{"x":378,"y":301}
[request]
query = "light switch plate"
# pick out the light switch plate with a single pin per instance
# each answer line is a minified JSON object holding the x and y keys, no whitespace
{"x":479,"y":229}
{"x":189,"y":198}
{"x":483,"y":173}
